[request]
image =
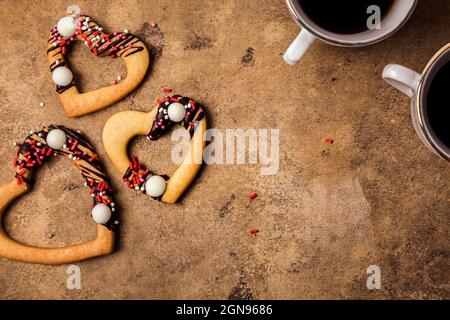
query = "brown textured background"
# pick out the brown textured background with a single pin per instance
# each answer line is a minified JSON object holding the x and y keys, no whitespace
{"x":375,"y":196}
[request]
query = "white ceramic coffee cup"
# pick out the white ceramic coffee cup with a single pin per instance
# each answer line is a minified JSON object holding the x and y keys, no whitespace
{"x":396,"y":17}
{"x":416,"y":86}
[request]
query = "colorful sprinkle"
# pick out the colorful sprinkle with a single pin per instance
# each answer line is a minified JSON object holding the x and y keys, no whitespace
{"x":34,"y":152}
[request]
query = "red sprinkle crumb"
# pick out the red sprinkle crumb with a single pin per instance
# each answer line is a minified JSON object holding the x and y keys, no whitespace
{"x":253,"y":231}
{"x":252,"y":196}
{"x":166,"y":90}
{"x":328,"y":140}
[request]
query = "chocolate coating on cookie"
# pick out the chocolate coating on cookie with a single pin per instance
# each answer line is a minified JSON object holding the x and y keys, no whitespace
{"x":101,"y":44}
{"x":162,"y":123}
{"x":34,"y":151}
{"x":136,"y":176}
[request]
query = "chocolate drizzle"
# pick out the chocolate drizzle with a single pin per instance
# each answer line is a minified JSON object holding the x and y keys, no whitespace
{"x":61,"y":89}
{"x":136,"y":176}
{"x":162,"y":123}
{"x":56,"y":64}
{"x":34,"y":151}
{"x":101,"y":44}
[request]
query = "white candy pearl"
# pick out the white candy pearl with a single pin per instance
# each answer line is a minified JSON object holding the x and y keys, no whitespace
{"x":62,"y":76}
{"x":176,"y":112}
{"x":101,"y":213}
{"x":155,"y":186}
{"x":66,"y":27}
{"x":56,"y":139}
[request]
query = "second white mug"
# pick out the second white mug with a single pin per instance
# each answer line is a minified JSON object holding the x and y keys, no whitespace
{"x":417,"y":87}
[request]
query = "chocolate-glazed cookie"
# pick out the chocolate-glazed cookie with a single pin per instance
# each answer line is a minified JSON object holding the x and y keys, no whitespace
{"x":122,"y":44}
{"x":37,"y":148}
{"x":122,"y":127}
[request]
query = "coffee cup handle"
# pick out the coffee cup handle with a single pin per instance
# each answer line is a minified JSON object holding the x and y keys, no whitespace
{"x":402,"y":78}
{"x":299,"y":47}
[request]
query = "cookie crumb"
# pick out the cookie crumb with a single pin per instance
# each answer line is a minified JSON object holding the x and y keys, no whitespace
{"x":41,"y":104}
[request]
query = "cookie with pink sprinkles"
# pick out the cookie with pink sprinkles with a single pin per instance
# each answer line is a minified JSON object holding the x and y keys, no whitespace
{"x":119,"y":44}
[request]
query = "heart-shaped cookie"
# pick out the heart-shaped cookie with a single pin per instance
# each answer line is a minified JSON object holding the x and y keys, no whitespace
{"x":123,"y":126}
{"x":118,"y":44}
{"x":37,"y":148}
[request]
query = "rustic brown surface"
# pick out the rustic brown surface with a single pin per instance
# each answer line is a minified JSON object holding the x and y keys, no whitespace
{"x":375,"y":196}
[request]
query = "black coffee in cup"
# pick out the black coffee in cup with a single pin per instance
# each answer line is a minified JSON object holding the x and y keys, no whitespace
{"x":437,"y":100}
{"x":343,"y":16}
